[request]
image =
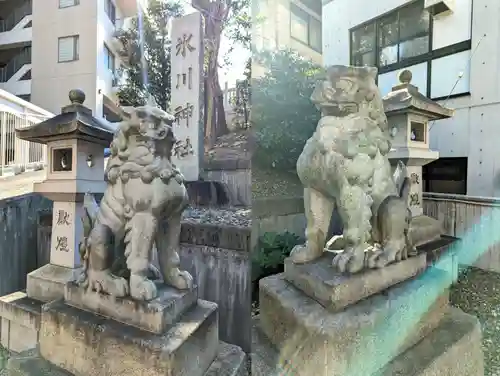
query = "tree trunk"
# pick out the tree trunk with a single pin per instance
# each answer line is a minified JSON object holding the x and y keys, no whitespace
{"x":215,"y":124}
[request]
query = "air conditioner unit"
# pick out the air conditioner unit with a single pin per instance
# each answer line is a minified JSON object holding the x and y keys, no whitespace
{"x":440,"y":7}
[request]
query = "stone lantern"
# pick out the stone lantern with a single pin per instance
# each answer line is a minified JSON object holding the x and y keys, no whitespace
{"x":75,"y":153}
{"x":409,"y":113}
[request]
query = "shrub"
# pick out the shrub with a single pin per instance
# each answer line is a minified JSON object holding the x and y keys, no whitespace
{"x":283,"y":115}
{"x":270,"y":253}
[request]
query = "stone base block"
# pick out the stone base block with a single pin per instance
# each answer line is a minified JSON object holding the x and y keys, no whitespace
{"x":424,"y":229}
{"x":48,"y":282}
{"x":154,"y":316}
{"x":383,"y":325}
{"x":335,"y":291}
{"x":85,"y":343}
{"x":452,"y":349}
{"x":20,"y":321}
{"x":230,"y":361}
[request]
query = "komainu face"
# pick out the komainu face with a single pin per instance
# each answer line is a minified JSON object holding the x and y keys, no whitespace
{"x":344,"y":90}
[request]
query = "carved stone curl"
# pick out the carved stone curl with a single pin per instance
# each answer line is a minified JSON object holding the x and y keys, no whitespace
{"x":345,"y":164}
{"x":141,"y":207}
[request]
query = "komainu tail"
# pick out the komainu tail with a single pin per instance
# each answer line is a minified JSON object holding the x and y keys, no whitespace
{"x":90,"y":209}
{"x":399,"y":177}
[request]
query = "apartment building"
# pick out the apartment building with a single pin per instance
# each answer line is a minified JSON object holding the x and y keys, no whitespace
{"x":48,"y":47}
{"x":280,"y":24}
{"x":452,"y":49}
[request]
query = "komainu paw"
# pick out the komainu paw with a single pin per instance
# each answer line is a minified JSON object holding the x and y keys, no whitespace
{"x":142,"y":288}
{"x":179,"y":279}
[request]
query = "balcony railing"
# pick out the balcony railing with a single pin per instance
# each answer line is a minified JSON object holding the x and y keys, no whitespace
{"x":16,"y":155}
{"x":16,"y":16}
{"x":16,"y":63}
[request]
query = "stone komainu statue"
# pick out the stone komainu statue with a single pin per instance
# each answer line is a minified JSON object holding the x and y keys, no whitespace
{"x":345,"y":164}
{"x":141,"y":207}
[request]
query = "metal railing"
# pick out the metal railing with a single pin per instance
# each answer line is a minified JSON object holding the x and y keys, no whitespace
{"x":9,"y":22}
{"x":16,"y":155}
{"x":16,"y":63}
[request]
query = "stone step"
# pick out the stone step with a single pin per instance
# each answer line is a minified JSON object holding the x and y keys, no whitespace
{"x":299,"y":326}
{"x":452,"y":349}
{"x":264,"y":356}
{"x":155,"y":315}
{"x":85,"y":343}
{"x":230,"y":361}
{"x":20,"y":321}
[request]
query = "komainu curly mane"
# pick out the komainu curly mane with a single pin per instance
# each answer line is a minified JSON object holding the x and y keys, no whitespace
{"x":145,"y":158}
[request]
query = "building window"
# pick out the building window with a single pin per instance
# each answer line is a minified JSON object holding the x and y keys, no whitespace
{"x":68,"y":3}
{"x":110,"y":9}
{"x":394,"y":38}
{"x":305,"y":28}
{"x":68,"y":48}
{"x":109,"y":59}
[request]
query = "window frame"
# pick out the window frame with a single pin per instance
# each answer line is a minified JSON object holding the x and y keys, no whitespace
{"x":76,"y":48}
{"x":309,"y":17}
{"x":110,"y":10}
{"x":75,"y":3}
{"x":110,"y":57}
{"x":427,"y":57}
{"x":376,"y":24}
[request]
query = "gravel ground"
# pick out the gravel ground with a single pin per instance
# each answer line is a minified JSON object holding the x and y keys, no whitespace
{"x":478,"y":293}
{"x":275,"y":183}
{"x":240,"y":217}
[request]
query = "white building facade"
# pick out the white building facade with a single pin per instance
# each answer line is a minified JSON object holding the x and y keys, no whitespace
{"x":452,"y":48}
{"x":48,"y":47}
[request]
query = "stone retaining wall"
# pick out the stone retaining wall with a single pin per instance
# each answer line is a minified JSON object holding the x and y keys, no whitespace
{"x":236,"y":174}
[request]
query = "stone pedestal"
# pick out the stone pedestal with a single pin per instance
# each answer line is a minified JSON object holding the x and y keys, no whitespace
{"x":382,"y":322}
{"x":92,"y":334}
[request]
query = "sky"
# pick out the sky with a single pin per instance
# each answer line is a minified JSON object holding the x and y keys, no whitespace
{"x":239,"y":56}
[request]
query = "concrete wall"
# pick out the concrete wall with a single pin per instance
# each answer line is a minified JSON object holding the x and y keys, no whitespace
{"x":89,"y":73}
{"x":51,"y":80}
{"x":20,"y":239}
{"x":472,"y":131}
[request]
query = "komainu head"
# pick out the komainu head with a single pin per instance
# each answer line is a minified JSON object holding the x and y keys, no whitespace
{"x":347,"y":90}
{"x":142,"y":140}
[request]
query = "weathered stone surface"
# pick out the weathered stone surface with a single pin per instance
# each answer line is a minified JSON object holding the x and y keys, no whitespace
{"x":291,"y":320}
{"x":452,"y":349}
{"x":230,"y":361}
{"x":19,"y":308}
{"x":154,"y":315}
{"x":17,"y":338}
{"x":216,"y":235}
{"x":335,"y":291}
{"x":84,"y":343}
{"x":424,"y":229}
{"x":265,"y":357}
{"x":48,"y":282}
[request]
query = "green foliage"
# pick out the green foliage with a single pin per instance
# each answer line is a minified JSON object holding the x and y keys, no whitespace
{"x":283,"y":115}
{"x":270,"y":253}
{"x":157,"y":48}
{"x":237,"y":27}
{"x":242,"y":101}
